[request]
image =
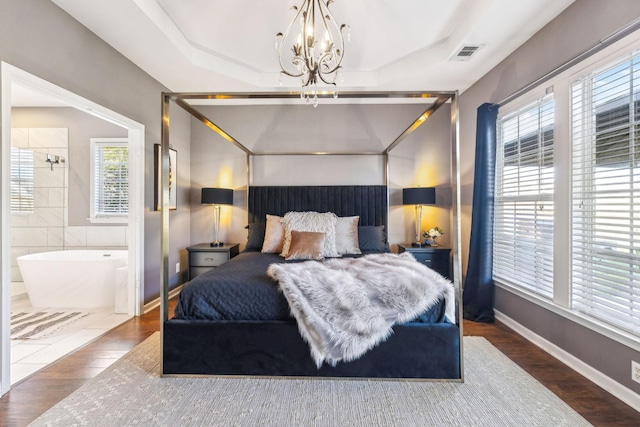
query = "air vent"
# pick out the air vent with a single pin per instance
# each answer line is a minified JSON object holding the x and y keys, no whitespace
{"x":465,"y":52}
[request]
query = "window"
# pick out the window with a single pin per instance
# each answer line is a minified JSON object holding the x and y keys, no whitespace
{"x":109,"y":180}
{"x":22,"y":199}
{"x":523,"y":217}
{"x":606,"y":195}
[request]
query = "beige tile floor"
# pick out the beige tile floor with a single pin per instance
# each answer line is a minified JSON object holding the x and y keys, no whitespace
{"x":29,"y":356}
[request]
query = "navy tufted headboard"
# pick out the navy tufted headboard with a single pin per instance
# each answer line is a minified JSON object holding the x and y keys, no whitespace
{"x":367,"y":201}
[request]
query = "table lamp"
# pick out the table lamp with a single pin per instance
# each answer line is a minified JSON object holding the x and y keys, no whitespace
{"x":216,"y":197}
{"x":418,"y":196}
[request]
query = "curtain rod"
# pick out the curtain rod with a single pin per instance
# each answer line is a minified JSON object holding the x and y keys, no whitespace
{"x":607,"y":41}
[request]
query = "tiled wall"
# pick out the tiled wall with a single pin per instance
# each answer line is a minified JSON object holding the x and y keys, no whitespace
{"x":46,"y":229}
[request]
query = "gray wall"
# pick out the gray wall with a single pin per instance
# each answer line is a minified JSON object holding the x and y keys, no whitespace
{"x":579,"y":27}
{"x":40,"y":38}
{"x":420,"y":160}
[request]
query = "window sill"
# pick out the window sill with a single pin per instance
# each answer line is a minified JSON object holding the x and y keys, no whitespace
{"x":595,"y":325}
{"x":113,"y":220}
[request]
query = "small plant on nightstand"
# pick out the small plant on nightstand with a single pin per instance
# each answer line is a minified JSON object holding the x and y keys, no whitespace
{"x":431,"y":236}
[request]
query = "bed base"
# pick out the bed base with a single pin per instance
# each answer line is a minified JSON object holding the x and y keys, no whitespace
{"x":275,"y":348}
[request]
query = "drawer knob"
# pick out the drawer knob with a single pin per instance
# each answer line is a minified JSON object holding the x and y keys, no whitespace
{"x":427,"y":261}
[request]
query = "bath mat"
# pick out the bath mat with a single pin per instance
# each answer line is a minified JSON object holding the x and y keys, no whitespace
{"x":41,"y":324}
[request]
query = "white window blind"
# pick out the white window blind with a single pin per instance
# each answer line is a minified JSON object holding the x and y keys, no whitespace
{"x":606,"y":195}
{"x":110,"y":179}
{"x":523,"y":217}
{"x":22,"y":198}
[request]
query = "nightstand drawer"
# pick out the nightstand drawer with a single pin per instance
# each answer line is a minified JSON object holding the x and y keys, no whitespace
{"x":433,"y":260}
{"x":434,"y":257}
{"x":204,"y":257}
{"x":208,"y":259}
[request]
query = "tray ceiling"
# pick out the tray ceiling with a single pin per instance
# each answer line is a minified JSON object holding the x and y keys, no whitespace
{"x":218,"y":45}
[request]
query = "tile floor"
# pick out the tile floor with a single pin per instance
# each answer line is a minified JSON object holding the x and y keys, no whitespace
{"x":28,"y":356}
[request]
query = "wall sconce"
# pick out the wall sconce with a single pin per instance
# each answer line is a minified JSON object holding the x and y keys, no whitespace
{"x":216,"y":197}
{"x":418,"y":196}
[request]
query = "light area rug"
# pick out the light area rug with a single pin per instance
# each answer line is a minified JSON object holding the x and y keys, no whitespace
{"x":496,"y":392}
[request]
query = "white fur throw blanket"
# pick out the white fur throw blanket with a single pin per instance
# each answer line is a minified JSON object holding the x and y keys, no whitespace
{"x":346,"y":306}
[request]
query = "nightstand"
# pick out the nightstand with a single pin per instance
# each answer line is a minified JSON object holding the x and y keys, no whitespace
{"x":203,"y":257}
{"x":434,"y":257}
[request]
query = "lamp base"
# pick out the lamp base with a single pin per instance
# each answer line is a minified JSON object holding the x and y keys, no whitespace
{"x":417,"y":245}
{"x":216,"y":244}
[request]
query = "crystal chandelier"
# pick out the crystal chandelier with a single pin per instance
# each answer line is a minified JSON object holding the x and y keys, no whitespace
{"x":312,"y":57}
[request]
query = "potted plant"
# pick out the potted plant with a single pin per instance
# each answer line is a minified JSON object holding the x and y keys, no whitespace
{"x":431,"y":236}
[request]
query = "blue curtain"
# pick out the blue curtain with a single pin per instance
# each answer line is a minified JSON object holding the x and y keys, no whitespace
{"x":478,"y":292}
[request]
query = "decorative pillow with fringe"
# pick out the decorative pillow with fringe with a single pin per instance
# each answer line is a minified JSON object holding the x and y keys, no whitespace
{"x":311,"y":221}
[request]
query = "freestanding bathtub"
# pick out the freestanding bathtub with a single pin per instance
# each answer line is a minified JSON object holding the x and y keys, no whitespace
{"x":77,"y":278}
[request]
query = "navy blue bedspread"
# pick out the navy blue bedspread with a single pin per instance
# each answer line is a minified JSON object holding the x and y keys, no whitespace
{"x":241,"y":290}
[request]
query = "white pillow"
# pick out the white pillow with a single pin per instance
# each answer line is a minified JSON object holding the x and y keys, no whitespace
{"x":273,"y":235}
{"x":347,"y":235}
{"x":311,"y":221}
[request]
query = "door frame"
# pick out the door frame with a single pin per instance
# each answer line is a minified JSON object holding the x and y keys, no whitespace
{"x":135,"y":231}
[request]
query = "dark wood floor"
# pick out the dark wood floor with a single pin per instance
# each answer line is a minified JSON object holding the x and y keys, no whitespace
{"x":32,"y":397}
{"x":595,"y":404}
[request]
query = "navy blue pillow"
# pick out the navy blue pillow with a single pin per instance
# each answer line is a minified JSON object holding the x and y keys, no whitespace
{"x":372,"y":238}
{"x":255,"y":236}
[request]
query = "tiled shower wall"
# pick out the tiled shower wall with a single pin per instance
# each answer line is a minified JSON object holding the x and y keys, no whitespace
{"x":46,"y":229}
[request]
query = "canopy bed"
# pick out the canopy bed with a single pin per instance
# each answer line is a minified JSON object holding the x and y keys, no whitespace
{"x":235,"y":321}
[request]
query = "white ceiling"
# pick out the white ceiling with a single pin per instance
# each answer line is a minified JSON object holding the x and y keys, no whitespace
{"x":229,"y":46}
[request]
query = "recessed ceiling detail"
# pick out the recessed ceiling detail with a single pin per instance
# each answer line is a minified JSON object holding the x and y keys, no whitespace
{"x":218,"y":45}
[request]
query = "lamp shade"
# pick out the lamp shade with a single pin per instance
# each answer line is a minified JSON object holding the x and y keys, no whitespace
{"x":419,"y":196}
{"x":217,"y":196}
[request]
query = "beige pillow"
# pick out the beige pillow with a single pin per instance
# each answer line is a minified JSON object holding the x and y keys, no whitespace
{"x":311,"y":221}
{"x":306,"y":245}
{"x":347,"y":235}
{"x":273,"y":235}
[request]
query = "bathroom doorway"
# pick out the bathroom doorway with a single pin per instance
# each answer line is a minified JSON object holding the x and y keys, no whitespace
{"x":18,"y":85}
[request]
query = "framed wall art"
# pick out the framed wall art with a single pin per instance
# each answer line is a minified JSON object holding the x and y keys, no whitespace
{"x":173,"y":178}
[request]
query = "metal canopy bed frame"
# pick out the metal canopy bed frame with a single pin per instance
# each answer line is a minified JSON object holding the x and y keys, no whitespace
{"x":432,"y":99}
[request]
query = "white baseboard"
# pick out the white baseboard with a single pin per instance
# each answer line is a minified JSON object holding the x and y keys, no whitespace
{"x":18,"y":297}
{"x":623,"y":393}
{"x":156,"y":302}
